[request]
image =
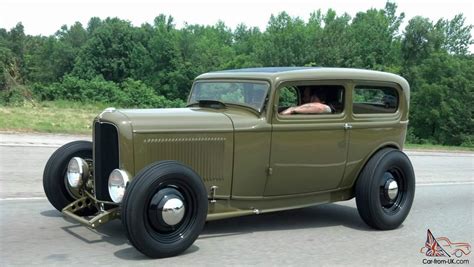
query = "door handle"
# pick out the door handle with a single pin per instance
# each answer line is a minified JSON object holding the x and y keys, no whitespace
{"x":347,"y":126}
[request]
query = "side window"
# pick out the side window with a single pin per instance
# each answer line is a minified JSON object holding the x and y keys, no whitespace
{"x":372,"y":100}
{"x":288,"y":98}
{"x":311,"y":99}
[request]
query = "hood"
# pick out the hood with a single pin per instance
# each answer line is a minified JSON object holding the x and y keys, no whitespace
{"x":173,"y":120}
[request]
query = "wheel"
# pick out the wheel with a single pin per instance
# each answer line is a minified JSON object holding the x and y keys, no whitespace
{"x":385,"y":189}
{"x":458,"y":253}
{"x":164,"y":209}
{"x":55,"y":184}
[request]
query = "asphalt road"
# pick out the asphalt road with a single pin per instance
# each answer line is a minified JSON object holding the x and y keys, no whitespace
{"x":33,"y":232}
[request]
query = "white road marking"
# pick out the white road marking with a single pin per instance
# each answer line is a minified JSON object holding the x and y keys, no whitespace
{"x":22,"y":198}
{"x":446,"y":183}
{"x":29,"y":145}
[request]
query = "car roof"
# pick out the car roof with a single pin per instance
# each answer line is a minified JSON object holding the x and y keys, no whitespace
{"x":266,"y":69}
{"x":277,"y":74}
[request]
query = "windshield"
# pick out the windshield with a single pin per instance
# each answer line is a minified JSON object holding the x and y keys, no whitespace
{"x":251,"y":94}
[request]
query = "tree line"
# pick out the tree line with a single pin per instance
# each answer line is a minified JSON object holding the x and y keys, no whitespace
{"x":153,"y":65}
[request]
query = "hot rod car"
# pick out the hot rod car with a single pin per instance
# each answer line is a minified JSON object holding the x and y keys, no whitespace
{"x":234,"y":151}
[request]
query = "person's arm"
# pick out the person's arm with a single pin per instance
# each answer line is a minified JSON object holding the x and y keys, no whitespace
{"x":309,"y":108}
{"x":288,"y":111}
{"x":312,"y":108}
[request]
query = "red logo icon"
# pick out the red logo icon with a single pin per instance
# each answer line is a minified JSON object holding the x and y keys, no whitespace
{"x":443,"y":247}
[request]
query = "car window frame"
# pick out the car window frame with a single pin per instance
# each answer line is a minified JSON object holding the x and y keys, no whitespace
{"x":278,"y":118}
{"x":379,"y":88}
{"x":377,"y":116}
{"x":263,"y":81}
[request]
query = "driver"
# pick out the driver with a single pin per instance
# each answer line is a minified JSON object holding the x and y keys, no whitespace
{"x":315,"y":104}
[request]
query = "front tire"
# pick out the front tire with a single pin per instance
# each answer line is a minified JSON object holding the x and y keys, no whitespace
{"x":55,"y":184}
{"x":385,"y":189}
{"x":164,"y":209}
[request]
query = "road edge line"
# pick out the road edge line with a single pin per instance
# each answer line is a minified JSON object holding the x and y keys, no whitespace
{"x":22,"y":198}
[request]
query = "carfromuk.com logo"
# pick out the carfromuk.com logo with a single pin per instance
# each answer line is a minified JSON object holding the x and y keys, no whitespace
{"x":440,"y":250}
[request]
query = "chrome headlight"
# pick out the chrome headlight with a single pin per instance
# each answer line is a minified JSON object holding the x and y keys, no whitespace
{"x":77,"y":168}
{"x":118,"y":180}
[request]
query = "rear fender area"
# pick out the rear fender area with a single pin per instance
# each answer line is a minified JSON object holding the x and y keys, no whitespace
{"x":351,"y":176}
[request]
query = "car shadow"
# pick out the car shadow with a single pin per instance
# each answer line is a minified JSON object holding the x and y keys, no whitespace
{"x":112,"y":233}
{"x":326,"y":215}
{"x":132,"y":254}
{"x":51,"y":213}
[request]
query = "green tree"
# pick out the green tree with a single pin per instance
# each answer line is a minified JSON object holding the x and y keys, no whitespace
{"x":443,"y":105}
{"x":153,"y":65}
{"x":332,"y":46}
{"x":457,"y":35}
{"x":421,"y":39}
{"x":107,"y":52}
{"x":373,"y":35}
{"x":246,"y":42}
{"x":285,"y":42}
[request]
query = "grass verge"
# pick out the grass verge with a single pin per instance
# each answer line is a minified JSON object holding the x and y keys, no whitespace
{"x":50,"y":117}
{"x":430,"y":147}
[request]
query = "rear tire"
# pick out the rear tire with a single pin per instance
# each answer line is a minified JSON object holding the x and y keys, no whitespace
{"x":150,"y":229}
{"x":385,"y":189}
{"x":54,"y":176}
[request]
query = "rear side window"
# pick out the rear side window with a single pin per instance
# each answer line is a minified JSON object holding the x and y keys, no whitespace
{"x":372,"y":100}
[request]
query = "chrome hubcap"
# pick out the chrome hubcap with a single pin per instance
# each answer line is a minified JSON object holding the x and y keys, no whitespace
{"x":173,"y":211}
{"x":391,"y":189}
{"x":166,"y":209}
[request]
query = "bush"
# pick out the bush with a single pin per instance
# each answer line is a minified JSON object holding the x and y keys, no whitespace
{"x":75,"y":89}
{"x":12,"y":92}
{"x":138,"y":94}
{"x":130,"y":93}
{"x":15,"y":96}
{"x":411,"y":138}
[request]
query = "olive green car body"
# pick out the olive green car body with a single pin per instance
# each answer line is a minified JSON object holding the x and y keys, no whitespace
{"x":259,"y":162}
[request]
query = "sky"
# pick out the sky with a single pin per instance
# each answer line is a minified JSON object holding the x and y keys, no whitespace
{"x":45,"y":17}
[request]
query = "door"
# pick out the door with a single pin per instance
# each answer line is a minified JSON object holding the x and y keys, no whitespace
{"x":308,"y":150}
